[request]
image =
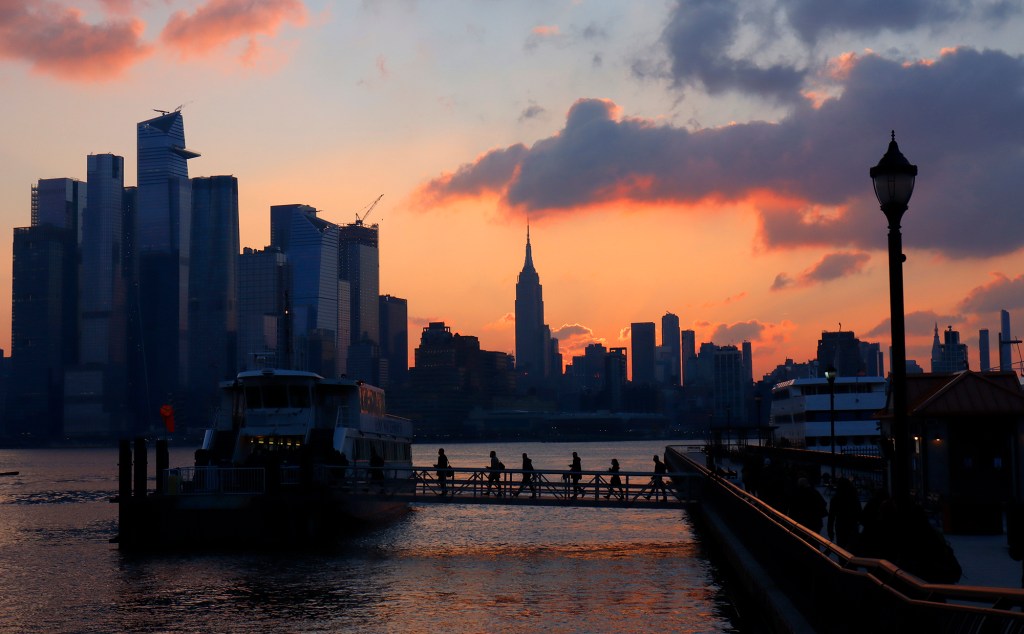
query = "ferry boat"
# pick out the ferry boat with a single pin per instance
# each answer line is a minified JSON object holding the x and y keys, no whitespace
{"x":801,"y":414}
{"x":292,"y":458}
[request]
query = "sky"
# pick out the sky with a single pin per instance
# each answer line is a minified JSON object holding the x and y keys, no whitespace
{"x":707,"y":158}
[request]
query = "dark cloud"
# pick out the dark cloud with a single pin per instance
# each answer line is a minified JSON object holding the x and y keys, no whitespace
{"x":220,"y":22}
{"x":54,"y":40}
{"x":832,"y":266}
{"x":531,"y":112}
{"x":735,"y":334}
{"x":1002,"y":293}
{"x":956,"y":117}
{"x":919,"y":323}
{"x":699,"y":36}
{"x":781,"y":281}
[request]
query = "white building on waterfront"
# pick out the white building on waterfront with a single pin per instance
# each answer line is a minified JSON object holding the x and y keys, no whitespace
{"x":800,"y":413}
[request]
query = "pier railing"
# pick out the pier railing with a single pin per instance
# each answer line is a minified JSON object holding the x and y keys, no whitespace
{"x":838,"y":592}
{"x":426,"y":484}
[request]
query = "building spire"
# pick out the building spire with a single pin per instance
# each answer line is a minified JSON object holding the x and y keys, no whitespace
{"x":528,"y":265}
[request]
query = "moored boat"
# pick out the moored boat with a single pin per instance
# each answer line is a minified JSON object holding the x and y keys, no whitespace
{"x":291,"y":459}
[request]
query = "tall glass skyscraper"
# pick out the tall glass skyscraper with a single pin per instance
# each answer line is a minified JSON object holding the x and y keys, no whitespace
{"x":311,"y":246}
{"x":162,"y":233}
{"x":263,"y":278}
{"x":359,"y":265}
{"x":213,"y":299}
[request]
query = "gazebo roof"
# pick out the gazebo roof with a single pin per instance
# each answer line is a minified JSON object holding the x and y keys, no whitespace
{"x":965,"y":393}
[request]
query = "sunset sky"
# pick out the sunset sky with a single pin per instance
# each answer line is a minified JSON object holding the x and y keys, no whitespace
{"x":708,"y":157}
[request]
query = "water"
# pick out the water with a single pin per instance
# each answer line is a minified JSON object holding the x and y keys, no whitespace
{"x":442,"y":568}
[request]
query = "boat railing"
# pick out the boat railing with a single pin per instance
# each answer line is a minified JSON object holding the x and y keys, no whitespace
{"x":215,"y":480}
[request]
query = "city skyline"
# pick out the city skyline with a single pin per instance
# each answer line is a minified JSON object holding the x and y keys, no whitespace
{"x":636,"y":160}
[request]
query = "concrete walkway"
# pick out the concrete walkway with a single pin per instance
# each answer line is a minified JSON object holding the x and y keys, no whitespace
{"x":985,"y":560}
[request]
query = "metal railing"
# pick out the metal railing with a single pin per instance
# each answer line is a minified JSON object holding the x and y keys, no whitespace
{"x":840,"y":592}
{"x":215,"y":481}
{"x":633,"y":488}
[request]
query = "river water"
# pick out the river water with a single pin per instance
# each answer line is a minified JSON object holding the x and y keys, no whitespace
{"x":442,"y":568}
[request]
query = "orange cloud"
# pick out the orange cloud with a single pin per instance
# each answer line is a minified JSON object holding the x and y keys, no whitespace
{"x":56,"y":41}
{"x":545,"y":31}
{"x":221,"y":22}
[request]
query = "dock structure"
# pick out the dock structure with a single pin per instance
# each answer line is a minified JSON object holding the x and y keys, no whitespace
{"x":803,"y":582}
{"x":425,"y":485}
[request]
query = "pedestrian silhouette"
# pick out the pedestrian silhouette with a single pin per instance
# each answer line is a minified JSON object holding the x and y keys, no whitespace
{"x":376,"y":466}
{"x":844,"y":515}
{"x":657,"y":480}
{"x":443,"y":471}
{"x":807,"y":506}
{"x":615,"y":482}
{"x":528,"y":476}
{"x":576,"y":468}
{"x":494,"y":470}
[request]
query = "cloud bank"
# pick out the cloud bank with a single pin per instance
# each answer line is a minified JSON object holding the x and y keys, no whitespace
{"x":221,"y":22}
{"x":957,"y":117}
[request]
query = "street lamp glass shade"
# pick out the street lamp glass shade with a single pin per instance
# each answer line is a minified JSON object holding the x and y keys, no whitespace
{"x":893,"y":178}
{"x":830,"y":374}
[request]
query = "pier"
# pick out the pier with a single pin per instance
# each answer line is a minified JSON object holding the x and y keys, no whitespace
{"x":803,"y":582}
{"x":422,"y":485}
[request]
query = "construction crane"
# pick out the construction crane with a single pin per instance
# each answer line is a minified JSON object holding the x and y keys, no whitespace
{"x":368,"y":209}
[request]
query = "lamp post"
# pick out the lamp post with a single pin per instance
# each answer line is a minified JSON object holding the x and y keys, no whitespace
{"x":893,"y":180}
{"x":830,"y":376}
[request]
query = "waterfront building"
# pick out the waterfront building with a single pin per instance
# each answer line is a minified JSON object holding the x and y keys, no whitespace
{"x":162,"y":233}
{"x":642,"y":347}
{"x":310,"y":244}
{"x":949,"y":355}
{"x":671,"y":341}
{"x":96,"y":388}
{"x":263,"y":278}
{"x":359,"y":266}
{"x":43,"y":328}
{"x":800,"y":411}
{"x":213,"y":289}
{"x":394,"y":337}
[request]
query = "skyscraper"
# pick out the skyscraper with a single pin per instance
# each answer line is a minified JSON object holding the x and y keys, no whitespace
{"x":213,"y":299}
{"x":689,"y":355}
{"x":642,"y":342}
{"x":313,"y":321}
{"x":671,"y":341}
{"x":949,"y":355}
{"x":162,"y":233}
{"x":96,"y":390}
{"x":984,"y":350}
{"x":359,"y":265}
{"x":531,"y":346}
{"x":394,"y":339}
{"x":44,"y":308}
{"x":263,"y":278}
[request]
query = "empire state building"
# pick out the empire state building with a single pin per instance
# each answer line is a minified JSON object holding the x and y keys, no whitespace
{"x":531,"y":333}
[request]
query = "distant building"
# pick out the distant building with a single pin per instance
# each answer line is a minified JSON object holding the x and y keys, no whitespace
{"x":1006,"y":342}
{"x":984,"y":351}
{"x":162,"y":234}
{"x":394,"y":338}
{"x":689,"y":356}
{"x":359,"y":266}
{"x":213,"y":290}
{"x":311,"y":247}
{"x":96,"y":389}
{"x":672,"y":343}
{"x":263,"y":335}
{"x":642,"y":340}
{"x":846,"y":353}
{"x":949,"y":355}
{"x":533,"y":357}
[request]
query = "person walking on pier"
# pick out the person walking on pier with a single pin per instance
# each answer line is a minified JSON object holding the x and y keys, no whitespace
{"x":657,"y":480}
{"x":615,"y":482}
{"x":494,"y":474}
{"x":443,"y":471}
{"x":576,"y":468}
{"x":528,"y":476}
{"x":807,"y":506}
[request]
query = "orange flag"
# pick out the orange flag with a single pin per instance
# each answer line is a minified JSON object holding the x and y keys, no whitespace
{"x":168,"y":415}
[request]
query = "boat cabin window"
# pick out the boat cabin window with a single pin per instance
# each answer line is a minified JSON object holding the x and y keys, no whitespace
{"x":277,"y":396}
